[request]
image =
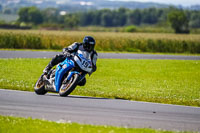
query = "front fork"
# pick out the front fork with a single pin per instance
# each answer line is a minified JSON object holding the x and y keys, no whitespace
{"x":71,"y":73}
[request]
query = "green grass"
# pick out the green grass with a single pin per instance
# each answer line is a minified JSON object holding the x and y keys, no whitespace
{"x":29,"y":125}
{"x":162,"y":81}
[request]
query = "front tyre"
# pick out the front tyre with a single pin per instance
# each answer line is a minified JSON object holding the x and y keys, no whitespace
{"x":69,"y":86}
{"x":40,"y":87}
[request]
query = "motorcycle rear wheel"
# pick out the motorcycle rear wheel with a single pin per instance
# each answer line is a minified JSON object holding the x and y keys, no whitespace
{"x":40,"y":87}
{"x":67,"y":88}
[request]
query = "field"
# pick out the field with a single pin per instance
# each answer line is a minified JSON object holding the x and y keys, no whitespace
{"x":162,"y":81}
{"x":29,"y":125}
{"x":8,"y":18}
{"x":106,"y":41}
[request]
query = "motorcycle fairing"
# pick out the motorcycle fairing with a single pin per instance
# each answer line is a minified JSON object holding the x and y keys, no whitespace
{"x":83,"y":60}
{"x":61,"y":69}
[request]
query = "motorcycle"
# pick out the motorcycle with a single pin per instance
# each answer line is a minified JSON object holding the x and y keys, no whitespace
{"x":67,"y":75}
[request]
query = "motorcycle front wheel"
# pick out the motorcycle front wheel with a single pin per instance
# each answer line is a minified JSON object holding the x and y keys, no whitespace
{"x":40,"y":87}
{"x":69,"y":86}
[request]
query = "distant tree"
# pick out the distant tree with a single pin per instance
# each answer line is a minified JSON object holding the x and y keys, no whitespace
{"x":107,"y":18}
{"x":30,"y":15}
{"x":88,"y":18}
{"x":71,"y":21}
{"x":120,"y":17}
{"x":83,"y":18}
{"x":195,"y":19}
{"x":179,"y":21}
{"x":150,"y":16}
{"x":23,"y":14}
{"x":50,"y":15}
{"x":96,"y":19}
{"x":134,"y":17}
{"x":162,"y":15}
{"x":35,"y":16}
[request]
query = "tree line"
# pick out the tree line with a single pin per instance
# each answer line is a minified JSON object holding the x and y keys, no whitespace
{"x":180,"y":20}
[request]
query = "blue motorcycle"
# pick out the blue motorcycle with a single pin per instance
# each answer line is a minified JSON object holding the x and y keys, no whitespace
{"x":67,"y":75}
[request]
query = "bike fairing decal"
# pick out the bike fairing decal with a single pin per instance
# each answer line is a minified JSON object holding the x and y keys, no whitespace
{"x":84,"y":63}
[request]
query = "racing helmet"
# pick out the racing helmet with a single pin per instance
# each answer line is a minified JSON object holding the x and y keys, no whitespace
{"x":88,"y":43}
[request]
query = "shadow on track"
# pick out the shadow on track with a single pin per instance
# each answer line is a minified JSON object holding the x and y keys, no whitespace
{"x":86,"y":97}
{"x":76,"y":96}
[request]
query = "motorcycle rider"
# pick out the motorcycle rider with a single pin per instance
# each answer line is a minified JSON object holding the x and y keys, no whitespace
{"x":87,"y":45}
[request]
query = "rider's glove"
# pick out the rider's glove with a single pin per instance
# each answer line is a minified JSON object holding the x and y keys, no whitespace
{"x":67,"y":54}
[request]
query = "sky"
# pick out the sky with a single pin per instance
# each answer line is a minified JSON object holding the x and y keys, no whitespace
{"x":173,"y":2}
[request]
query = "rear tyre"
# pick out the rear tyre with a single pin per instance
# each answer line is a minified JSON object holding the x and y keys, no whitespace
{"x":69,"y":86}
{"x":40,"y":87}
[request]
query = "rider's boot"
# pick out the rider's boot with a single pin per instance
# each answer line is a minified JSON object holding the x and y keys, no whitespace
{"x":46,"y":71}
{"x":55,"y":60}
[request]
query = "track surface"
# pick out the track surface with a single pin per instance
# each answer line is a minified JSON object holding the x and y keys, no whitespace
{"x":99,"y":111}
{"x":43,"y":54}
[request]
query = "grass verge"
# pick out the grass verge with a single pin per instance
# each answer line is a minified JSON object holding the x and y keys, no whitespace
{"x":162,"y":81}
{"x":29,"y":125}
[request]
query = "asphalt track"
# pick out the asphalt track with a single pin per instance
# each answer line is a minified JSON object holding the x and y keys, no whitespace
{"x":99,"y":111}
{"x":44,"y":54}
